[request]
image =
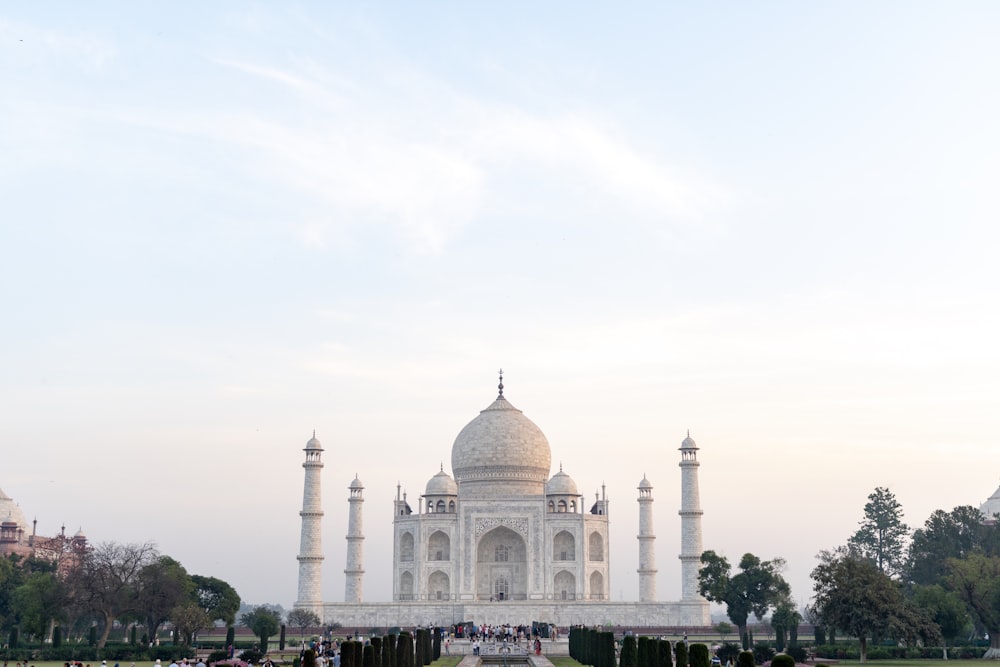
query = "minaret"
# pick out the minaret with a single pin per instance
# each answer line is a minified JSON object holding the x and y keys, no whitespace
{"x":647,"y":551}
{"x":355,"y":541}
{"x":311,"y":542}
{"x":690,"y":520}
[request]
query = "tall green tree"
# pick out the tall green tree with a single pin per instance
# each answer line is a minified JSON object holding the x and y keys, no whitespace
{"x":945,"y":607}
{"x":754,"y":590}
{"x":161,"y":587}
{"x":264,"y":622}
{"x":853,"y":595}
{"x":785,"y":621}
{"x":976,"y":580}
{"x":40,"y":601}
{"x":219,"y":600}
{"x":882,"y":535}
{"x":954,"y":534}
{"x":11,"y":576}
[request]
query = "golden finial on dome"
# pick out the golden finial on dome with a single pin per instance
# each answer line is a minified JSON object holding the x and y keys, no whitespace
{"x":500,"y":386}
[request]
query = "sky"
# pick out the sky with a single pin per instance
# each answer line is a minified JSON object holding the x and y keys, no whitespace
{"x":224,"y":226}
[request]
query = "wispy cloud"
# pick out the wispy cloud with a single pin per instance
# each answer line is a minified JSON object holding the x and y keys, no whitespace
{"x":453,"y":156}
{"x":28,"y":43}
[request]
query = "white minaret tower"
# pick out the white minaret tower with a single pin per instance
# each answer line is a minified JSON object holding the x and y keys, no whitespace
{"x":311,"y":542}
{"x":647,"y":550}
{"x":355,"y":541}
{"x":690,"y":520}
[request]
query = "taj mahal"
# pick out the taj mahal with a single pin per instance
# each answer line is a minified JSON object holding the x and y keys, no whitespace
{"x":501,"y":540}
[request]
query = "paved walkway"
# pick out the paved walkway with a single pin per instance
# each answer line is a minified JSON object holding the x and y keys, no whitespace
{"x":535,"y":660}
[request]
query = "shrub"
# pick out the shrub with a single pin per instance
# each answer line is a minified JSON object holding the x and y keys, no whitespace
{"x":606,"y":652}
{"x":762,"y":652}
{"x":699,"y":656}
{"x":644,"y":650}
{"x":745,"y":659}
{"x":630,"y":653}
{"x":426,"y":646}
{"x":251,"y":655}
{"x":216,"y":656}
{"x":782,"y":660}
{"x":664,"y":654}
{"x":681,"y":654}
{"x":388,"y":651}
{"x":404,"y":650}
{"x":728,"y":652}
{"x":798,"y":653}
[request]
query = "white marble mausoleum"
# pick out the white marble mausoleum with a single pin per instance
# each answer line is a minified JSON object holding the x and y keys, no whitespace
{"x":502,"y":540}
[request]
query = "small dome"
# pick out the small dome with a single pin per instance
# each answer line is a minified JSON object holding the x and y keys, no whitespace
{"x":645,"y":483}
{"x":561,"y":484}
{"x":9,"y":511}
{"x":79,"y":534}
{"x":688,"y":442}
{"x":356,"y":483}
{"x":314,"y":443}
{"x":991,"y":507}
{"x":441,"y":484}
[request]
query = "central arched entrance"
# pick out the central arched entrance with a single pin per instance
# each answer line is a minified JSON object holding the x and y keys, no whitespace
{"x":501,"y":566}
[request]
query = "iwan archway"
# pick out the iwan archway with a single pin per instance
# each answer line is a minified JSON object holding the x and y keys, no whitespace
{"x":501,"y":566}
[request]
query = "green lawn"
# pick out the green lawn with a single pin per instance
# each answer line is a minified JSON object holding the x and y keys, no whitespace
{"x":443,"y":661}
{"x":563,"y":661}
{"x":917,"y":663}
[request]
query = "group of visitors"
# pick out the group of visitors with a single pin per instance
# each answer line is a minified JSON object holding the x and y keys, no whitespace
{"x":183,"y":662}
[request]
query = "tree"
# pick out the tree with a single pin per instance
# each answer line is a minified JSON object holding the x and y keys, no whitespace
{"x":302,"y":619}
{"x":11,"y":576}
{"x":954,"y":534}
{"x":945,"y":608}
{"x":188,"y":618}
{"x":853,"y":595}
{"x":723,"y":629}
{"x":976,"y":580}
{"x":219,"y":600}
{"x":755,"y":589}
{"x":105,"y":578}
{"x":39,"y":601}
{"x":785,"y":620}
{"x":264,"y":622}
{"x":161,"y":587}
{"x":882,"y":536}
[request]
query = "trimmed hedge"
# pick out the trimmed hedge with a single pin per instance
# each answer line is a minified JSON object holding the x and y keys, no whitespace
{"x":630,"y":654}
{"x":700,"y":656}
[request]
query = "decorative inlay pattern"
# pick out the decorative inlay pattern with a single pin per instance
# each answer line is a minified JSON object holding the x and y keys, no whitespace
{"x":489,"y":523}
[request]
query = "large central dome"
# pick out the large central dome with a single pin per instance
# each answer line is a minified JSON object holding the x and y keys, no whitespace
{"x":501,"y":452}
